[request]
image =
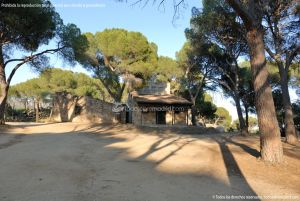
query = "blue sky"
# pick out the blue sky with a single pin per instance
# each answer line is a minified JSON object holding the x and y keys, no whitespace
{"x":156,"y":24}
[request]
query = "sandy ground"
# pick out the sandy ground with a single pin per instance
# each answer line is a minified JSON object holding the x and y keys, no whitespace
{"x":78,"y":162}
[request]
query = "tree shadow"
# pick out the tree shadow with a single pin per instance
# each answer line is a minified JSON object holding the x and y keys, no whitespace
{"x":249,"y":150}
{"x":155,"y":147}
{"x":236,"y":178}
{"x":172,"y":153}
{"x":166,"y":185}
{"x":291,"y":150}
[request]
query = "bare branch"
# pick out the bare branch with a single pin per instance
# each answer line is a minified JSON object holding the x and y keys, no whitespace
{"x":33,"y":56}
{"x":136,"y":2}
{"x":14,"y":71}
{"x":25,"y":60}
{"x":176,"y":8}
{"x":176,"y":4}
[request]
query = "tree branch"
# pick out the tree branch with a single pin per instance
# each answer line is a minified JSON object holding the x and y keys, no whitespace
{"x":199,"y":87}
{"x":271,"y":54}
{"x":107,"y":88}
{"x":243,"y":13}
{"x":122,"y":90}
{"x":224,"y":84}
{"x":161,"y":3}
{"x":291,"y":57}
{"x":25,"y":60}
{"x":108,"y":64}
{"x":12,"y":73}
{"x":33,"y":56}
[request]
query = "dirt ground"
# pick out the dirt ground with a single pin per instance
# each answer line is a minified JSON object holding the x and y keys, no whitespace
{"x":80,"y":162}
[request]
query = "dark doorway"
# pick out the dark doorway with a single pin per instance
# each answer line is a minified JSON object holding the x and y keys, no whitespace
{"x":128,"y":117}
{"x":161,"y":117}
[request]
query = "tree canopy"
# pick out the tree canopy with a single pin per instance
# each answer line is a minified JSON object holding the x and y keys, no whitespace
{"x":223,"y":117}
{"x":168,"y":69}
{"x":55,"y":80}
{"x":28,"y":29}
{"x":117,"y":56}
{"x":217,"y":25}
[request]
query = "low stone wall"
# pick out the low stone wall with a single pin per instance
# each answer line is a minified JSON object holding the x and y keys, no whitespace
{"x":63,"y":107}
{"x":94,"y":111}
{"x":69,"y":108}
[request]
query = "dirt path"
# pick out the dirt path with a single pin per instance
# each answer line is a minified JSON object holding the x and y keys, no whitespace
{"x":77,"y":162}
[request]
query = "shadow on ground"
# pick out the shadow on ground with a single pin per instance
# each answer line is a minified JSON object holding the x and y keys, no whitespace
{"x":114,"y":162}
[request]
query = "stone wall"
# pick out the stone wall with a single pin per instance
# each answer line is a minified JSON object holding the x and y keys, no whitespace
{"x":68,"y":108}
{"x":180,"y":118}
{"x":155,"y":87}
{"x":169,"y":117}
{"x":136,"y":114}
{"x":63,"y":107}
{"x":94,"y":111}
{"x":149,"y":118}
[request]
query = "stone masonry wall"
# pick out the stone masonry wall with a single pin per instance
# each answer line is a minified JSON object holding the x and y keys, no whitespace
{"x":95,"y":111}
{"x":63,"y":107}
{"x":68,"y":108}
{"x":149,"y":118}
{"x":180,"y":118}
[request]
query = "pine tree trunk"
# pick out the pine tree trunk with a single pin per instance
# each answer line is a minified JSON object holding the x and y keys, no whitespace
{"x":243,"y":127}
{"x":270,"y":142}
{"x":247,"y":116}
{"x":3,"y":89}
{"x":25,"y":104}
{"x":194,"y":111}
{"x":194,"y":114}
{"x":37,"y":110}
{"x":3,"y":99}
{"x":51,"y":111}
{"x":290,"y":130}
